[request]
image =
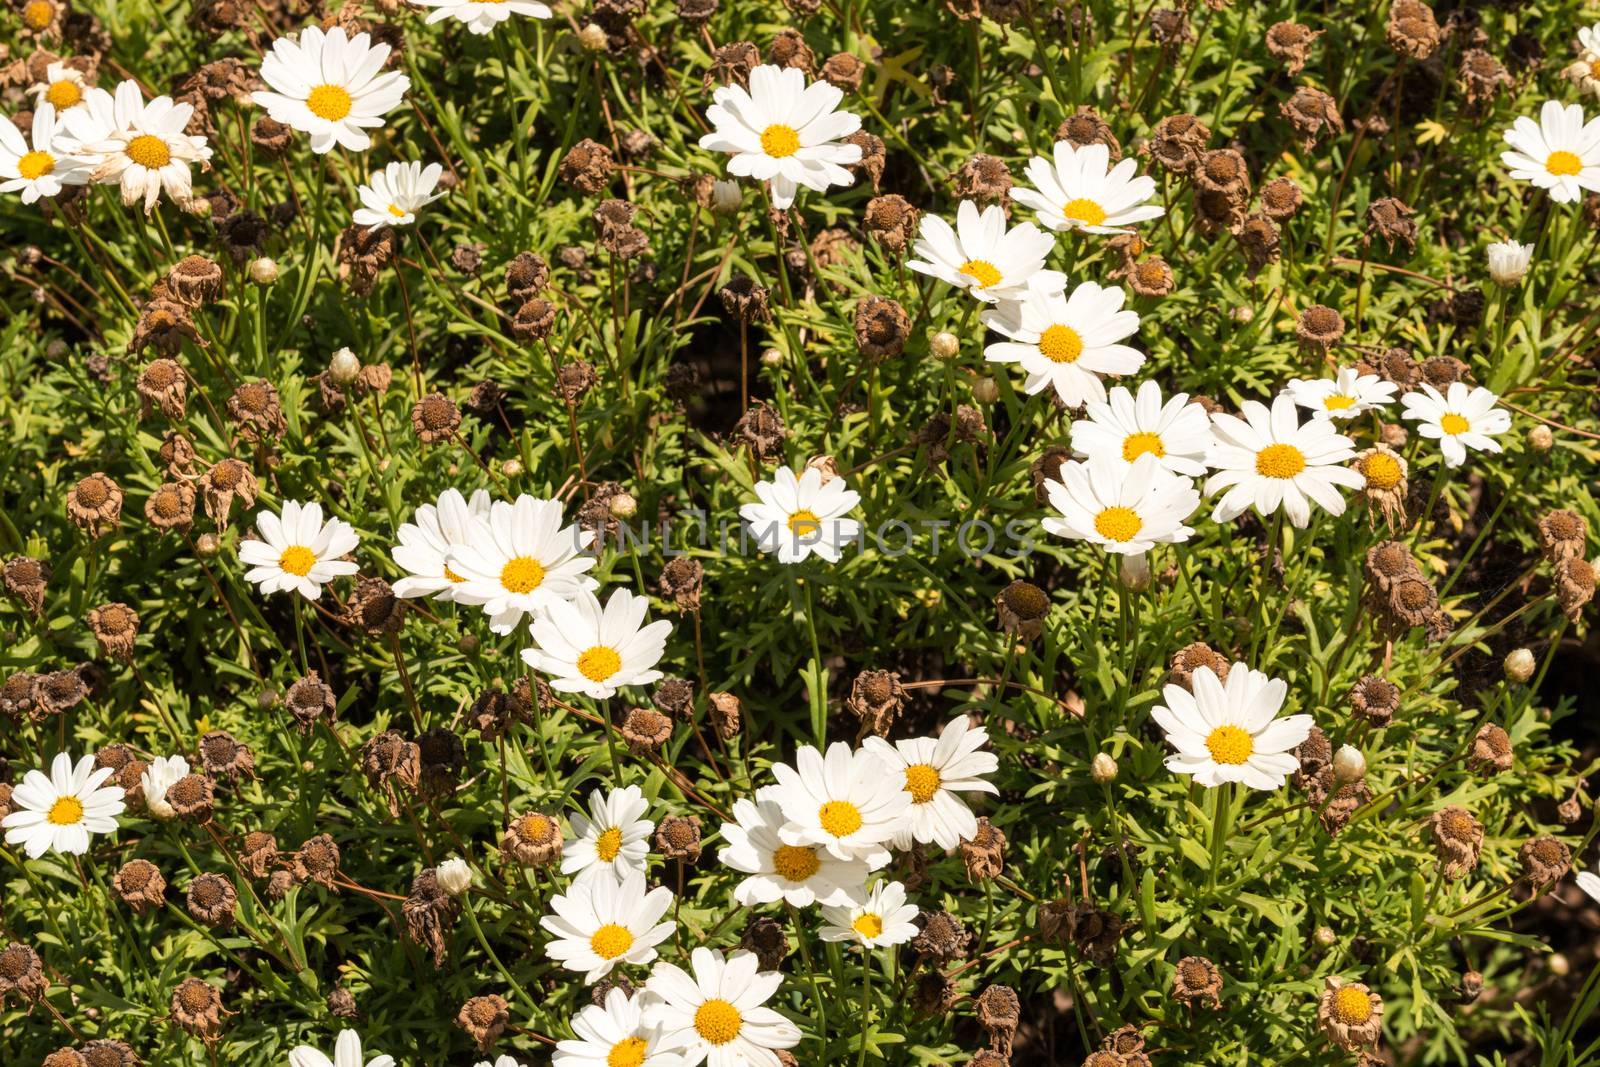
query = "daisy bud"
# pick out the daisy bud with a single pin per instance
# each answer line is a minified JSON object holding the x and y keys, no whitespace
{"x":1541,"y":439}
{"x":264,"y":271}
{"x":726,"y":196}
{"x":1349,"y":765}
{"x":454,"y":876}
{"x":199,"y":207}
{"x":623,"y":506}
{"x":511,"y":468}
{"x":207,"y":545}
{"x":592,"y":38}
{"x":985,"y":391}
{"x":1243,"y":314}
{"x":1519,"y":666}
{"x":1559,"y":965}
{"x":1325,"y":937}
{"x":944,"y":344}
{"x":1133,"y":571}
{"x":1103,"y":768}
{"x":1508,"y":262}
{"x":344,"y":367}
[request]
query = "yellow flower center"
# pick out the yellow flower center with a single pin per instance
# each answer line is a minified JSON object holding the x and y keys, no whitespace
{"x":150,"y":151}
{"x":1061,"y":344}
{"x":1137,"y":444}
{"x":839,"y":817}
{"x":982,"y":270}
{"x":1453,"y":424}
{"x":795,"y":863}
{"x":36,"y":165}
{"x":630,"y":1051}
{"x":63,"y":94}
{"x":1280,"y":461}
{"x":1562,"y":164}
{"x":1594,"y":68}
{"x":397,"y":211}
{"x":868,"y":925}
{"x":611,"y":941}
{"x":331,"y":102}
{"x":804,"y":524}
{"x":1352,"y":1006}
{"x":717,"y":1021}
{"x":922,"y":781}
{"x":67,"y":811}
{"x":523,"y":574}
{"x":599,"y":663}
{"x":1085,"y":211}
{"x":1118,"y":524}
{"x":38,"y":14}
{"x":780,"y":141}
{"x":608,"y":844}
{"x":1338,"y":402}
{"x":297,"y":560}
{"x":452,"y":575}
{"x":1230,"y":744}
{"x":1381,"y":471}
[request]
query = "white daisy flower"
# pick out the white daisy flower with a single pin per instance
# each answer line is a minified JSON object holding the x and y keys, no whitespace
{"x":1231,"y":733}
{"x":1127,"y":425}
{"x":426,"y":540}
{"x":880,"y":919}
{"x":1559,"y":153}
{"x":844,"y":802}
{"x":1463,"y":419}
{"x":43,"y":167}
{"x":501,"y":1061}
{"x":162,"y":774}
{"x":481,"y":16}
{"x":800,"y":875}
{"x":346,"y":1053}
{"x":1269,"y":460}
{"x":1344,"y":396}
{"x":718,"y":1012}
{"x":1508,"y":262}
{"x":615,"y":837}
{"x":983,"y":257}
{"x":520,"y":561}
{"x":604,"y":921}
{"x":932,"y":771}
{"x":329,"y":85}
{"x":394,"y":195}
{"x":1082,"y":191}
{"x":59,"y":813}
{"x":138,"y":146}
{"x":588,"y":649}
{"x":297,"y":552}
{"x":783,"y":131}
{"x":1066,"y":340}
{"x":1589,"y":882}
{"x":796,"y":517}
{"x":64,"y":86}
{"x":1125,"y":510}
{"x":1585,"y":70}
{"x":614,"y":1035}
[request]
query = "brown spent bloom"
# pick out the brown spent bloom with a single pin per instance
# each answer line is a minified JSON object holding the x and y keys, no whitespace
{"x":1350,"y":1014}
{"x":66,"y":1056}
{"x":316,"y":860}
{"x":1290,"y":43}
{"x":1175,"y":143}
{"x":103,"y":1052}
{"x":197,"y":1008}
{"x":22,"y":973}
{"x":613,"y":221}
{"x":675,"y":697}
{"x":16,"y":695}
{"x":587,"y":167}
{"x":731,"y":65}
{"x":25,"y":581}
{"x":526,"y":276}
{"x":532,"y":840}
{"x":934,"y":995}
{"x":270,"y":137}
{"x":574,"y":379}
{"x":164,"y":324}
{"x":484,"y":1019}
{"x":983,"y":178}
{"x":1151,"y":277}
{"x":788,"y":49}
{"x":761,"y":429}
{"x":429,"y":913}
{"x":764,"y":936}
{"x":1046,"y":468}
{"x":1545,"y":861}
{"x":843,"y":70}
{"x":1023,"y":608}
{"x":434,"y":418}
{"x":279,"y":884}
{"x":223,"y":756}
{"x":891,"y":221}
{"x":342,"y":1002}
{"x":746,"y":301}
{"x":228,"y":478}
{"x":1085,"y":127}
{"x":177,"y":454}
{"x":1388,"y":562}
{"x":1094,"y":931}
{"x":163,"y":385}
{"x":999,"y":1012}
{"x":387,"y":758}
{"x":1563,"y":535}
{"x":1481,"y":75}
{"x":1458,"y":838}
{"x":1413,"y":32}
{"x":943,"y":938}
{"x":1258,"y":240}
{"x":873,"y":155}
{"x":212,"y":901}
{"x":257,"y":410}
{"x":984,"y":854}
{"x":1312,"y":114}
{"x":195,"y":281}
{"x":494,"y":711}
{"x":678,"y":838}
{"x":192,"y":797}
{"x":95,"y":504}
{"x":534,"y":321}
{"x":882,"y":327}
{"x":1191,"y":658}
{"x":681,"y":580}
{"x":1319,"y":328}
{"x":1375,"y":699}
{"x":1170,"y":27}
{"x":1280,"y":198}
{"x":171,"y":506}
{"x":114,"y":627}
{"x":876,"y":699}
{"x":724,"y":712}
{"x":1196,"y":980}
{"x":645,"y":731}
{"x":58,"y":691}
{"x":310,"y":700}
{"x":1491,"y":751}
{"x":362,"y":254}
{"x":374,"y":608}
{"x":443,"y":756}
{"x":1391,"y":219}
{"x":258,"y":855}
{"x":1575,"y":582}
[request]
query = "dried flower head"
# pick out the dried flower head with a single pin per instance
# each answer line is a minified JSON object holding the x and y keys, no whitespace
{"x":25,"y":581}
{"x":1313,"y":115}
{"x":532,"y":840}
{"x":212,"y":901}
{"x":1563,"y":535}
{"x":876,"y":698}
{"x":881,"y":326}
{"x":725,"y":714}
{"x":587,"y":167}
{"x":983,"y":178}
{"x":1191,"y":658}
{"x":226,"y":479}
{"x":95,"y":504}
{"x":21,"y":973}
{"x":1545,"y":861}
{"x":256,"y":408}
{"x":746,"y":301}
{"x":388,"y":758}
{"x":1375,"y":700}
{"x":316,"y":860}
{"x":430,"y":914}
{"x":1458,"y":838}
{"x":258,"y":854}
{"x":1575,"y":580}
{"x":1413,"y":31}
{"x":114,"y":627}
{"x":308,"y":700}
{"x":1176,"y":142}
{"x":1196,"y":980}
{"x":1290,"y":43}
{"x":1319,"y":328}
{"x":1350,"y":1014}
{"x":224,"y":757}
{"x":678,"y":838}
{"x":171,"y":506}
{"x":1085,"y":127}
{"x":942,"y":940}
{"x":646,"y":730}
{"x":761,"y":429}
{"x":162,"y":385}
{"x":891,"y":221}
{"x":1392,"y":220}
{"x":1023,"y":608}
{"x":1280,"y":198}
{"x":984,"y":854}
{"x":195,"y":280}
{"x":434,"y":418}
{"x":1491,"y":750}
{"x":765,"y":937}
{"x":999,"y":1012}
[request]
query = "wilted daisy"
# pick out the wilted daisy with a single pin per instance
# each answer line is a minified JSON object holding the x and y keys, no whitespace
{"x":1082,"y":191}
{"x":615,"y":837}
{"x":1230,"y":733}
{"x":162,"y":773}
{"x":481,"y":16}
{"x":63,"y":86}
{"x":613,"y":1035}
{"x":346,"y":1053}
{"x":796,"y":517}
{"x":58,"y":813}
{"x":783,"y":131}
{"x":394,"y":195}
{"x":718,"y":1013}
{"x":800,"y":875}
{"x":604,"y":921}
{"x":585,"y":648}
{"x":1268,"y":460}
{"x":1126,"y":510}
{"x":1508,"y":262}
{"x":520,"y":561}
{"x":1560,"y":153}
{"x":1066,"y":341}
{"x":983,"y":257}
{"x":1585,"y":70}
{"x":1462,"y":419}
{"x":42,"y":168}
{"x":138,"y":146}
{"x":1127,"y":426}
{"x":426,"y":540}
{"x":1348,"y":394}
{"x":933,"y":771}
{"x":329,"y":85}
{"x":881,"y":918}
{"x":298,"y":551}
{"x":844,"y":802}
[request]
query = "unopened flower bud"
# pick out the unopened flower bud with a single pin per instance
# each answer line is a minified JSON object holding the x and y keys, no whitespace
{"x":726,"y":196}
{"x":985,"y":391}
{"x":592,"y":38}
{"x":454,"y":876}
{"x":1103,"y":768}
{"x":511,"y":468}
{"x":1541,"y":438}
{"x":1243,"y":314}
{"x":198,"y":206}
{"x":1133,"y":571}
{"x":1519,"y":665}
{"x":1325,"y":937}
{"x":344,"y":366}
{"x":207,"y":545}
{"x":1349,"y":765}
{"x":1559,"y":965}
{"x":264,"y":270}
{"x":944,"y":345}
{"x":1508,"y":262}
{"x":772,"y":358}
{"x":623,"y":506}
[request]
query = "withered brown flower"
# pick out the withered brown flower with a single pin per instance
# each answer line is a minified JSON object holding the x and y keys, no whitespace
{"x":94,"y":504}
